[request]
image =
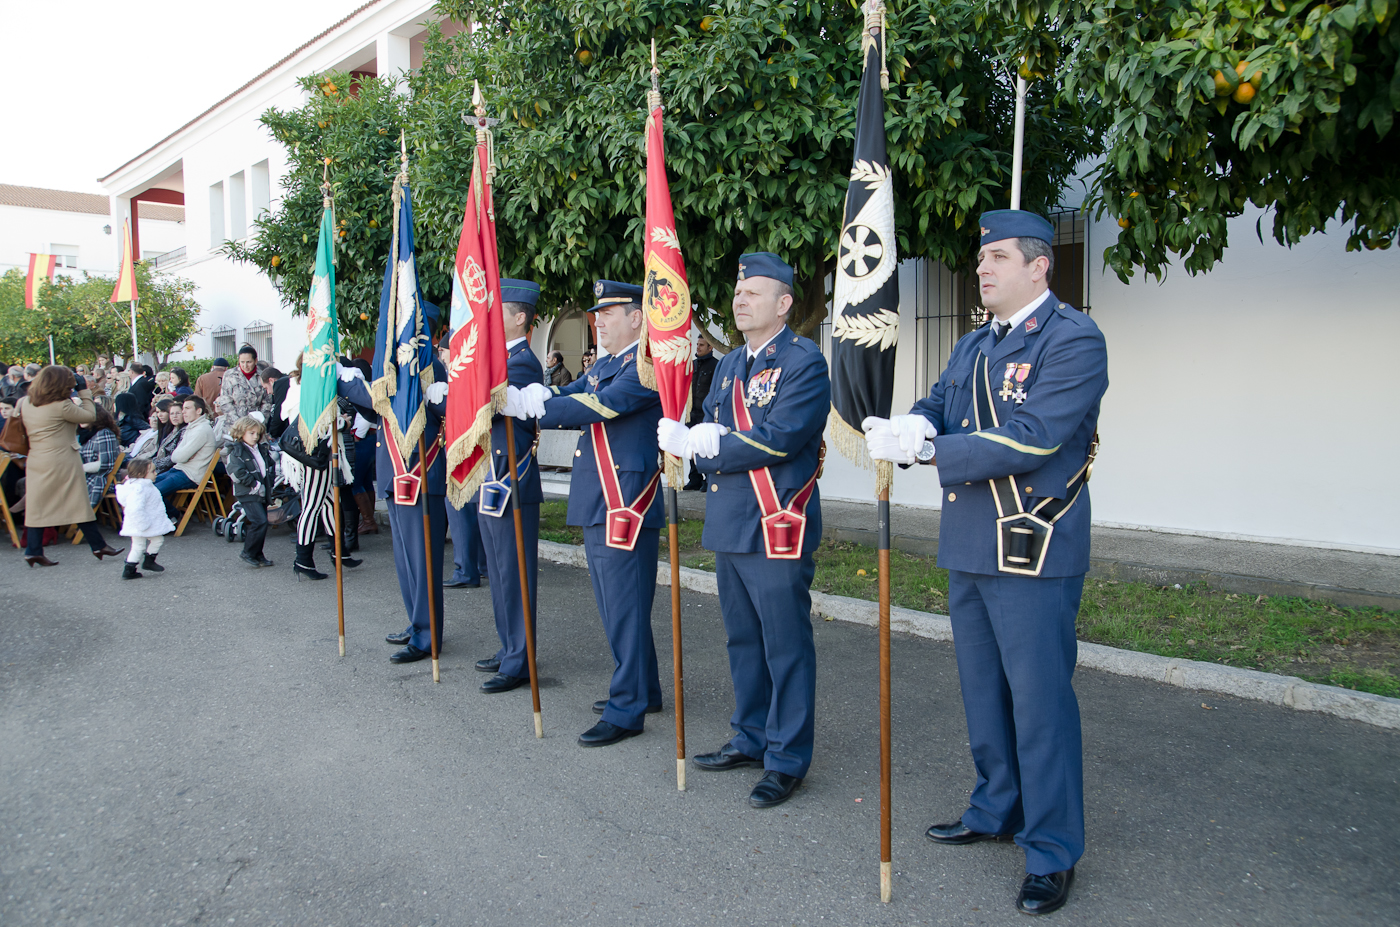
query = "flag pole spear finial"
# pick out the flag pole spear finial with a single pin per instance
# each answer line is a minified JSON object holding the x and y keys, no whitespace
{"x":325,"y":183}
{"x":654,"y":98}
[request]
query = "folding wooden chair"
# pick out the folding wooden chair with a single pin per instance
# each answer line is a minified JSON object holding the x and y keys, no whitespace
{"x":5,"y":461}
{"x":204,"y":497}
{"x":106,"y":488}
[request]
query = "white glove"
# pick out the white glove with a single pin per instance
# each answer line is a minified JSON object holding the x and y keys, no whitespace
{"x":704,"y":439}
{"x":671,"y":435}
{"x":259,"y":416}
{"x":532,"y":399}
{"x":350,"y":374}
{"x":513,"y":407}
{"x":92,"y":466}
{"x":363,"y":426}
{"x":436,"y":392}
{"x":881,"y":442}
{"x":912,"y":431}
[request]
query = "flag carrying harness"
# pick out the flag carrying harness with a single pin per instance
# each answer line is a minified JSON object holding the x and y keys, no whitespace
{"x":784,"y":527}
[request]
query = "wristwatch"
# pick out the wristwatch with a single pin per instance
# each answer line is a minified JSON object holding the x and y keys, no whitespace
{"x":924,"y":455}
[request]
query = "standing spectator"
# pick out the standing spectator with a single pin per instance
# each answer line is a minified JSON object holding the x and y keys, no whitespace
{"x":174,"y":429}
{"x":180,"y":384}
{"x":193,"y":453}
{"x":100,"y":446}
{"x":366,"y":440}
{"x":275,"y":383}
{"x":130,"y":420}
{"x":556,"y":374}
{"x":701,"y":378}
{"x":243,"y":388}
{"x":56,"y":491}
{"x":10,"y":385}
{"x":210,"y":385}
{"x":251,"y":468}
{"x":143,"y":519}
{"x":142,"y":386}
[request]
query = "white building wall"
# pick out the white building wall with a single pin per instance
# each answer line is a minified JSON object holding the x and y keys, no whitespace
{"x":1233,"y":407}
{"x":24,"y":230}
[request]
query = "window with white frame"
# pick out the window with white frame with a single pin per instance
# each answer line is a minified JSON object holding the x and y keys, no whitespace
{"x":65,"y":256}
{"x":224,"y":341}
{"x":259,"y":334}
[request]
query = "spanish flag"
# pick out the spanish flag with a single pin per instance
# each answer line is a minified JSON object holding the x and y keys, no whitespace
{"x":40,"y":270}
{"x":125,"y":290}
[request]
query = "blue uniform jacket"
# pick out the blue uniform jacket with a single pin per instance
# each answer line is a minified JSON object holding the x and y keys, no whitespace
{"x":1042,"y":442}
{"x":436,"y":485}
{"x":612,"y":394}
{"x":786,"y":437}
{"x":522,"y":369}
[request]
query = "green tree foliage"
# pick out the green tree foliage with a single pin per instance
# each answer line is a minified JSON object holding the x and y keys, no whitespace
{"x":78,"y":313}
{"x":760,"y":114}
{"x":1209,"y":105}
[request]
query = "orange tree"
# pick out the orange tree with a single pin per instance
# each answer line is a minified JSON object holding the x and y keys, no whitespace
{"x":1208,"y":106}
{"x":760,"y":98}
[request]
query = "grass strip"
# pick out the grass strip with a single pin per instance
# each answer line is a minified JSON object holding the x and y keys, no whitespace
{"x":1355,"y":648}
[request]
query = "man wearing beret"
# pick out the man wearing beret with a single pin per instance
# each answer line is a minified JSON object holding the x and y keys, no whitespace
{"x":613,"y":496}
{"x":496,"y":499}
{"x":1012,"y":427}
{"x":760,"y":449}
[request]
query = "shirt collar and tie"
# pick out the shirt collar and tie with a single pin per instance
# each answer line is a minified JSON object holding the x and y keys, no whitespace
{"x":753,"y":353}
{"x":1001,"y":329}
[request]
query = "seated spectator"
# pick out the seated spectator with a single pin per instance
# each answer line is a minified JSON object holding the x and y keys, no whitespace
{"x":130,"y":420}
{"x":9,"y":386}
{"x":180,"y":383}
{"x":163,"y":383}
{"x":163,"y":458}
{"x":192,"y":455}
{"x":100,"y":446}
{"x":210,"y":384}
{"x":556,"y":374}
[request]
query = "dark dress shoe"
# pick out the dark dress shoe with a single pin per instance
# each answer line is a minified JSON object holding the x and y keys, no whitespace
{"x":40,"y":560}
{"x":602,"y":703}
{"x":461,"y":584}
{"x":1043,"y":894}
{"x":503,"y":683}
{"x":603,"y":733}
{"x":489,"y":665}
{"x":249,"y":558}
{"x":726,"y":757}
{"x":399,"y":639}
{"x":107,"y":551}
{"x":773,"y":789}
{"x":957,"y":833}
{"x":263,"y":561}
{"x":409,"y":654}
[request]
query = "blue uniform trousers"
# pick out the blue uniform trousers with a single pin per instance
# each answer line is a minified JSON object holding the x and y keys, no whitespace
{"x":468,"y":557}
{"x":1014,"y":637}
{"x":767,"y":606}
{"x":406,"y":523}
{"x":498,"y":540}
{"x":624,"y":585}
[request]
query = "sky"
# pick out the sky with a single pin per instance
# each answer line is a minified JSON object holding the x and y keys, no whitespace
{"x":116,"y":78}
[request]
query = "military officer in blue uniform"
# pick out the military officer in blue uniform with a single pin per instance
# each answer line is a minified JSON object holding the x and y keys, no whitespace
{"x":495,"y":502}
{"x":1012,"y":427}
{"x":468,"y":553}
{"x":406,"y":521}
{"x":760,"y":450}
{"x":614,"y":496}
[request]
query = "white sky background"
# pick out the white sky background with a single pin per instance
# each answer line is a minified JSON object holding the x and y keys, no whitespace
{"x":93,"y":84}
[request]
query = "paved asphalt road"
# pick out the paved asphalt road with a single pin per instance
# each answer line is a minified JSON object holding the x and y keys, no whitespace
{"x":188,"y":749}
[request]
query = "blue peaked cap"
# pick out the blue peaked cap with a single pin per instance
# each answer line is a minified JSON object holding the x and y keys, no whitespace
{"x":519,"y":291}
{"x":764,"y":264}
{"x":612,"y":293}
{"x":1001,"y":224}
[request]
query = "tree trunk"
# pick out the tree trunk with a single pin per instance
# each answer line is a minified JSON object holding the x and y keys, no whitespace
{"x":809,"y":308}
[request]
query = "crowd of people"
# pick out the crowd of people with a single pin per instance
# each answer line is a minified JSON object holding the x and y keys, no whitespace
{"x":141,"y":437}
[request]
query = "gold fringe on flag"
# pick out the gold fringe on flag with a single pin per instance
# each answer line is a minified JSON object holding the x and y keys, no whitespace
{"x":851,"y":444}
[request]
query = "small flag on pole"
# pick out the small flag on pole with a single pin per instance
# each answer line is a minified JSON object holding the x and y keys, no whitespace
{"x":319,"y":357}
{"x":665,"y":357}
{"x":40,"y":271}
{"x":125,"y":290}
{"x":865,"y":317}
{"x":476,"y":370}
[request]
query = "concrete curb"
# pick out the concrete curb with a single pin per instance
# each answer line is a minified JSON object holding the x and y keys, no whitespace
{"x":1288,"y":691}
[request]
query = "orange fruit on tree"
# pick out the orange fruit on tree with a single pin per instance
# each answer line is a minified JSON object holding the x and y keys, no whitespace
{"x":1244,"y":93}
{"x":585,"y":57}
{"x":1124,"y":223}
{"x":363,"y":316}
{"x":1223,"y":85}
{"x":276,"y":260}
{"x":707,"y":23}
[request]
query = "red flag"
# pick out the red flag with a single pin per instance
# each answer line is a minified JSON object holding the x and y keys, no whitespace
{"x":476,"y":369}
{"x":666,"y":363}
{"x":40,"y":269}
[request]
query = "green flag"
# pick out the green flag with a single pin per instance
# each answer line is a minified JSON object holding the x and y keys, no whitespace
{"x":319,"y":358}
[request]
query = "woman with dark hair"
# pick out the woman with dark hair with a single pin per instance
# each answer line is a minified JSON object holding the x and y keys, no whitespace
{"x":180,"y":383}
{"x":162,"y":459}
{"x":99,"y":450}
{"x":244,"y":391}
{"x":56,"y":492}
{"x":130,"y":420}
{"x":163,"y":425}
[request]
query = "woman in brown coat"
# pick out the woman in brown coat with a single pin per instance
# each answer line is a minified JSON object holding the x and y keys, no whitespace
{"x":56,"y":491}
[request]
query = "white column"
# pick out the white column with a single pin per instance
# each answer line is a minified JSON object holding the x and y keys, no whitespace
{"x":392,"y":58}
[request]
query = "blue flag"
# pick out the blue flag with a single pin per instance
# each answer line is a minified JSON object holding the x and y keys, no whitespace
{"x":403,"y":352}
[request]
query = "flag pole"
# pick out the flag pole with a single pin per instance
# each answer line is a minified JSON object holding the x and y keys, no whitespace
{"x":883,"y":511}
{"x":335,"y":446}
{"x":427,"y":555}
{"x":1019,"y":142}
{"x":673,"y":537}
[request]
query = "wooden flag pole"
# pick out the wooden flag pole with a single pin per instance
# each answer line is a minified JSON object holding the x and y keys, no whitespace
{"x":673,"y":516}
{"x":339,"y":569}
{"x":886,"y":866}
{"x":428,"y":554}
{"x":524,"y":578}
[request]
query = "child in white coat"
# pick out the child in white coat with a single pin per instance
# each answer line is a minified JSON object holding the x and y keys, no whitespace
{"x":143,"y":519}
